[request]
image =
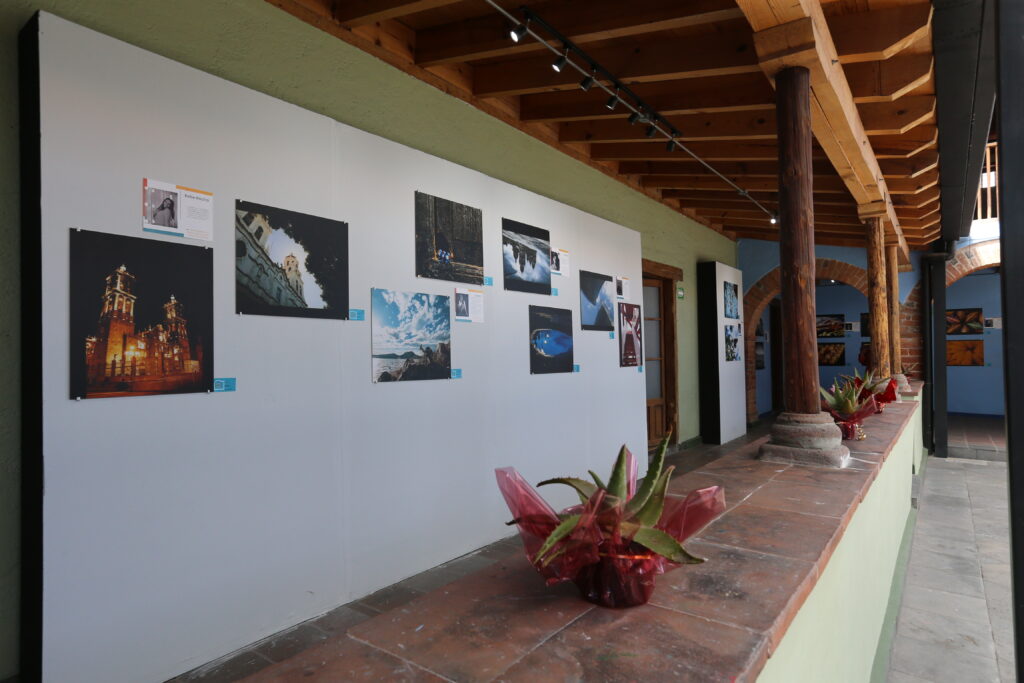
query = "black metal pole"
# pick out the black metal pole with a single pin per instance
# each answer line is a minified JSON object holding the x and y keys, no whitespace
{"x":1010,"y":100}
{"x":927,"y":358}
{"x":937,"y":340}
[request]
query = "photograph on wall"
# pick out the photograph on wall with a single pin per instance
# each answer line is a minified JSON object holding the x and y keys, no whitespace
{"x":170,"y":209}
{"x":865,"y":325}
{"x":289,"y":263}
{"x":733,"y":339}
{"x":832,"y":325}
{"x":141,"y":316}
{"x":731,"y":302}
{"x":965,"y":321}
{"x":597,"y":301}
{"x":449,"y":240}
{"x":559,"y":261}
{"x":832,"y":353}
{"x":759,"y":330}
{"x":759,"y":355}
{"x":411,"y":336}
{"x":526,"y":256}
{"x":967,"y":352}
{"x":622,"y":288}
{"x":469,"y":305}
{"x":631,"y":348}
{"x":550,"y":340}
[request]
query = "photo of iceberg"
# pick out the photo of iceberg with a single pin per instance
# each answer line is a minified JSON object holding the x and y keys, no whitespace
{"x":526,"y":257}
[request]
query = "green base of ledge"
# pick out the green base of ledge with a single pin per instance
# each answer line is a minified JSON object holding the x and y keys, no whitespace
{"x":880,"y":669}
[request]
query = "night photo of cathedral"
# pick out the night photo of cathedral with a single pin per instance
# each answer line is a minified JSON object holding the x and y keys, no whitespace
{"x":141,"y":316}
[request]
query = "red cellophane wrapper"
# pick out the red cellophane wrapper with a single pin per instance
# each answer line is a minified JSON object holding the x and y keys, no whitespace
{"x":887,"y":395}
{"x":848,"y":423}
{"x":609,"y":570}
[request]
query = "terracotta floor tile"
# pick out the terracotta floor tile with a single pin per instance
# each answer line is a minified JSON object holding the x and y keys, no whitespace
{"x":342,"y":659}
{"x":477,"y":627}
{"x":645,"y":643}
{"x":740,"y":587}
{"x":790,"y":534}
{"x":812,"y":500}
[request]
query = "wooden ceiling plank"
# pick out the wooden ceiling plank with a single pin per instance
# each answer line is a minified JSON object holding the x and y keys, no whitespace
{"x":909,"y":144}
{"x":896,"y":118}
{"x":913,"y":167}
{"x":889,"y":80}
{"x":918,"y":200}
{"x":879,"y":34}
{"x":360,"y":12}
{"x":705,"y":181}
{"x":899,"y":186}
{"x":581,"y":21}
{"x":709,"y":151}
{"x":771,"y":197}
{"x":758,"y":125}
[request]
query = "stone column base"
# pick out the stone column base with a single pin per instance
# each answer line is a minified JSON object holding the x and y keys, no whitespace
{"x":902,"y":385}
{"x":807,"y":439}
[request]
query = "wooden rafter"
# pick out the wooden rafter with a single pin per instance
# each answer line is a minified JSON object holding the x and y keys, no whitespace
{"x":359,"y":12}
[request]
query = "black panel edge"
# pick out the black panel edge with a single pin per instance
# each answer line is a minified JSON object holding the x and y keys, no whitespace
{"x":707,"y":352}
{"x":31,"y":617}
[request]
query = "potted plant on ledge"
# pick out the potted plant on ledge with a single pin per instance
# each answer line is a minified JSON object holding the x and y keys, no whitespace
{"x":848,"y":404}
{"x":619,"y":537}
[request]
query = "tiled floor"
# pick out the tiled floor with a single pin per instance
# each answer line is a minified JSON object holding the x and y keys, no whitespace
{"x":284,"y":645}
{"x":978,"y":437}
{"x":955,"y":620}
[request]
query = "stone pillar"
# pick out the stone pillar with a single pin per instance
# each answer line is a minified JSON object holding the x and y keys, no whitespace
{"x":878,"y":301}
{"x":895,"y":339}
{"x":803,"y":433}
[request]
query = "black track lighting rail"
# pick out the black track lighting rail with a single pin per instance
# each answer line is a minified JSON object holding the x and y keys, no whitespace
{"x":571,"y":55}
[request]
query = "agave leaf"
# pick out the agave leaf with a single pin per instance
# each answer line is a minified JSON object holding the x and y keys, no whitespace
{"x":665,"y":545}
{"x":650,"y":481}
{"x":617,"y":482}
{"x":584,"y":488}
{"x":559,"y":532}
{"x":651,"y":512}
{"x":597,"y":480}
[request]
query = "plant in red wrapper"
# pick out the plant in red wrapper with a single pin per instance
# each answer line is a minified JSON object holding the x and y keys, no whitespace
{"x":619,"y":537}
{"x":848,"y":404}
{"x":884,"y":390}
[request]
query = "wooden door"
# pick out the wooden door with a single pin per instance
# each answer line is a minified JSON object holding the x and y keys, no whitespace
{"x":659,"y":352}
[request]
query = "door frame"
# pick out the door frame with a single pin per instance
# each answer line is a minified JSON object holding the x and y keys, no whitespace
{"x":667,"y":276}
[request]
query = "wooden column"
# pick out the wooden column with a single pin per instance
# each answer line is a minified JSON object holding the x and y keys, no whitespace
{"x":878,"y":304}
{"x":893,"y":285}
{"x":796,"y":247}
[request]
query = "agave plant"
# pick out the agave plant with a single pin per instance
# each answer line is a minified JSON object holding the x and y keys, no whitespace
{"x":845,"y":400}
{"x":883,"y":389}
{"x":618,"y":513}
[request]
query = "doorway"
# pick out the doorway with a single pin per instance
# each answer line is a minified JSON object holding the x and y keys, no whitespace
{"x":660,"y":367}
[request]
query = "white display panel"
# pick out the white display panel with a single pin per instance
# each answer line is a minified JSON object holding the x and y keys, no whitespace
{"x":732,"y":374}
{"x":181,"y":527}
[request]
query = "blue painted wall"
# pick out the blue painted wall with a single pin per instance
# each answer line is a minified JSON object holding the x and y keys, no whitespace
{"x":978,"y":389}
{"x":845,"y":300}
{"x":764,"y":377}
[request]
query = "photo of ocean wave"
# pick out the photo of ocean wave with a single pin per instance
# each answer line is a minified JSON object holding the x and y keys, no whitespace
{"x":526,"y":257}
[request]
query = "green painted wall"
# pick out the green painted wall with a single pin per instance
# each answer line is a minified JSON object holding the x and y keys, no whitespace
{"x":835,"y":635}
{"x":252,"y":43}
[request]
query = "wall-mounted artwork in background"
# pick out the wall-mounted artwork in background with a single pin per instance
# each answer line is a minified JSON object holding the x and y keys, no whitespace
{"x":759,"y":355}
{"x":865,"y":325}
{"x":731,"y":300}
{"x":832,"y":354}
{"x":965,"y":321}
{"x":732,"y":342}
{"x":759,"y":330}
{"x":289,"y":263}
{"x":526,"y":257}
{"x":411,"y":336}
{"x":597,"y":301}
{"x":631,"y":348}
{"x":550,"y":340}
{"x":832,"y":325}
{"x":969,"y":352}
{"x":449,"y":240}
{"x":141,"y":316}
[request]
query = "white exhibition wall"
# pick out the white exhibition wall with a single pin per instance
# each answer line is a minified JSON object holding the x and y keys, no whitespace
{"x":732,"y":374}
{"x":181,"y":527}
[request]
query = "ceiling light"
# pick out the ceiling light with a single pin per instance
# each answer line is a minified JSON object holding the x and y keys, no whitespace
{"x":774,"y":220}
{"x":518,"y":33}
{"x":651,"y":130}
{"x":671,"y":144}
{"x":586,"y":83}
{"x":613,"y":101}
{"x":559,"y":63}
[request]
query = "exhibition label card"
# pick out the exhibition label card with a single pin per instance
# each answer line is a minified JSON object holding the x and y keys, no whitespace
{"x":176,"y":210}
{"x":469,"y":305}
{"x":622,"y":288}
{"x":560,"y":262}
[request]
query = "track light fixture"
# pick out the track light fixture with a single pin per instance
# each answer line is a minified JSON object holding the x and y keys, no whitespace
{"x":774,"y":220}
{"x":671,"y":146}
{"x":560,"y":63}
{"x":519,"y":32}
{"x":651,"y":130}
{"x":587,"y":83}
{"x":613,"y":101}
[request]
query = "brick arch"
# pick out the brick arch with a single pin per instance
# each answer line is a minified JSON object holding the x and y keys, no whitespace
{"x":767,"y":288}
{"x":970,"y":259}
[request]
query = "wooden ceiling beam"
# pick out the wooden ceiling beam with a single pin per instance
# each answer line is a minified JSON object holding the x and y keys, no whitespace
{"x":796,"y":34}
{"x":916,"y":201}
{"x":685,"y":165}
{"x":739,"y":206}
{"x":908,"y":145}
{"x":765,"y":197}
{"x":913,"y":167}
{"x":728,"y":216}
{"x":755,"y":125}
{"x":709,"y":151}
{"x":581,"y":21}
{"x":901,"y":186}
{"x":922,"y":212}
{"x":896,"y":118}
{"x":888,"y":80}
{"x":705,"y":181}
{"x":877,"y":34}
{"x":360,"y":12}
{"x":819,"y":228}
{"x":920,"y":223}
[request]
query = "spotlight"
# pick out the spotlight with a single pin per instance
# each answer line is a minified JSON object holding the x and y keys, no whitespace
{"x":559,"y":63}
{"x":637,"y":117}
{"x":774,"y":220}
{"x":586,"y":83}
{"x":651,"y":130}
{"x":613,"y":101}
{"x":671,"y":146}
{"x":517,"y":33}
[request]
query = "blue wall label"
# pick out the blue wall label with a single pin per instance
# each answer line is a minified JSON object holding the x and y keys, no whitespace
{"x":356,"y":314}
{"x":611,"y":335}
{"x":639,"y":368}
{"x":488,"y":281}
{"x":575,"y":368}
{"x":224,"y":383}
{"x":456,"y":373}
{"x":554,"y":291}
